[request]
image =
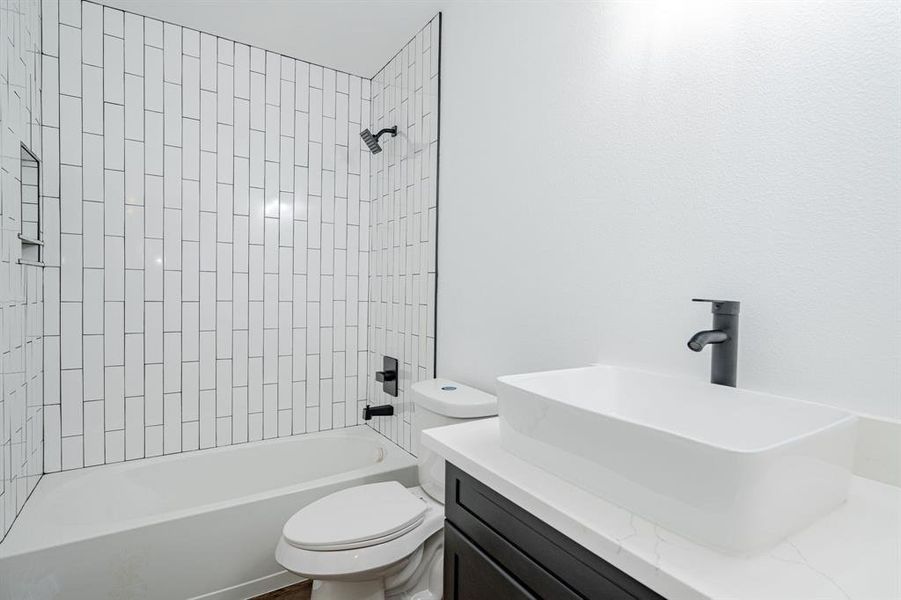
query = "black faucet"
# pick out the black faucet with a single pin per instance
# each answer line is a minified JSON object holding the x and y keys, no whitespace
{"x":382,"y":410}
{"x":724,"y":336}
{"x":388,"y":378}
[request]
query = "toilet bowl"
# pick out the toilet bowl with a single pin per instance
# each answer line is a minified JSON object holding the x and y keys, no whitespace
{"x":382,"y":540}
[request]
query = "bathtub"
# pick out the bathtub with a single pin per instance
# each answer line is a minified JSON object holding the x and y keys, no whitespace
{"x":194,"y":525}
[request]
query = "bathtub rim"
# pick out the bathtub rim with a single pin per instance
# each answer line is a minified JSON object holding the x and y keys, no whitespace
{"x":393,"y":458}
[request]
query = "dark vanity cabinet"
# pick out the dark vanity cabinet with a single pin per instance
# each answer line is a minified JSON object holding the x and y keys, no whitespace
{"x":495,"y":550}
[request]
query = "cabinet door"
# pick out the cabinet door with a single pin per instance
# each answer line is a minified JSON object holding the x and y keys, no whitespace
{"x":469,"y":574}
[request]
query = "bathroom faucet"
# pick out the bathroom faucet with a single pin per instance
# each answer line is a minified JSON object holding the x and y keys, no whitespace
{"x":724,"y":337}
{"x":382,"y":410}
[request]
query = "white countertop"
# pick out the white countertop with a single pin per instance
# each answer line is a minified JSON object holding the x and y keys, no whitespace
{"x":853,"y":553}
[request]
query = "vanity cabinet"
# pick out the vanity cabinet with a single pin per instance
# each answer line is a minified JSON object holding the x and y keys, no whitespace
{"x":494,"y":550}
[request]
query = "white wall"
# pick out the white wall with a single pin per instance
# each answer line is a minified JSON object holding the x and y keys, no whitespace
{"x":21,"y":287}
{"x":601,"y":164}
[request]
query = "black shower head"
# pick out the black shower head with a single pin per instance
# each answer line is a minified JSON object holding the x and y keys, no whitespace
{"x":373,"y":140}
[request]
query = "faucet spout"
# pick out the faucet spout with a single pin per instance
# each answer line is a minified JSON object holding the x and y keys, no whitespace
{"x":710,"y":336}
{"x":723,"y":337}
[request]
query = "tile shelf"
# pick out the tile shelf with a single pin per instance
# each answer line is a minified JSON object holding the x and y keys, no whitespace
{"x":27,"y":241}
{"x":30,"y":263}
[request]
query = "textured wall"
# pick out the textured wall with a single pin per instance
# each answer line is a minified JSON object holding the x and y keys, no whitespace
{"x":214,"y":206}
{"x":603,"y":163}
{"x":404,"y":225}
{"x":21,"y":287}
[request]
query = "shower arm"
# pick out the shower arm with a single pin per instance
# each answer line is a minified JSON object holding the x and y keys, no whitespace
{"x":391,"y":130}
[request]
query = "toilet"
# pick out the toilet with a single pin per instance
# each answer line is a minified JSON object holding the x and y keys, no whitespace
{"x":383,"y":540}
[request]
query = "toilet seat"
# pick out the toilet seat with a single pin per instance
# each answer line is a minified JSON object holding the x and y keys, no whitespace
{"x":359,"y":562}
{"x":355,"y":517}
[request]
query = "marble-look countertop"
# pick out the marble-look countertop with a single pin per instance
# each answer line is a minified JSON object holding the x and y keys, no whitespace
{"x":853,"y":553}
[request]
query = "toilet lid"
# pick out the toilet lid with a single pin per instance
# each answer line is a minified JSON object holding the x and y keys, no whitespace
{"x":357,"y":517}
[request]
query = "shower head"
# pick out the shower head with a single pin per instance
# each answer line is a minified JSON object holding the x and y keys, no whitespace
{"x":373,"y":140}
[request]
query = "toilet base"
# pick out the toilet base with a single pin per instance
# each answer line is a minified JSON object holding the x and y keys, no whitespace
{"x":348,"y":590}
{"x":418,"y":577}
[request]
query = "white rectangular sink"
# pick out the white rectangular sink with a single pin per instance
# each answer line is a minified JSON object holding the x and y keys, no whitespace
{"x":730,"y":468}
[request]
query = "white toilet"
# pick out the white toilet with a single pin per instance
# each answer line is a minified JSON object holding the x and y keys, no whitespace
{"x":383,"y":540}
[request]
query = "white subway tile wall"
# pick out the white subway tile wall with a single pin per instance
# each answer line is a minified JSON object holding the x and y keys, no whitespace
{"x":212,"y":241}
{"x":21,"y":287}
{"x":402,"y":219}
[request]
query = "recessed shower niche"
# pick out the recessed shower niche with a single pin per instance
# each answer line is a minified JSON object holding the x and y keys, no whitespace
{"x":30,"y":233}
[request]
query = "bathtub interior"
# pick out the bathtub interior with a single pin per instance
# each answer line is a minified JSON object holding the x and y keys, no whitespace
{"x":216,"y":540}
{"x":76,"y":505}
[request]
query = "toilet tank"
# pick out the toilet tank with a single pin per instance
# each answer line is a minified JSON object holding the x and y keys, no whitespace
{"x":441,"y":402}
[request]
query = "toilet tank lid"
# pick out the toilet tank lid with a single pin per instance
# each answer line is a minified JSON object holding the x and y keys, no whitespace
{"x":451,"y":399}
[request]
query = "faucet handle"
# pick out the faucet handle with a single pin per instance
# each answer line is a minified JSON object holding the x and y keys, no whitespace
{"x":721,"y":307}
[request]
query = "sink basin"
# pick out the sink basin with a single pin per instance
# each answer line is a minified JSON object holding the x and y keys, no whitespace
{"x":734,"y":469}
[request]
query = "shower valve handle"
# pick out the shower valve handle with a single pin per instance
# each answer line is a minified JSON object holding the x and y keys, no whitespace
{"x":388,"y":375}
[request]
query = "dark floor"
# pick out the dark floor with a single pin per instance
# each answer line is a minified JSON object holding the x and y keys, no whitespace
{"x":298,"y":591}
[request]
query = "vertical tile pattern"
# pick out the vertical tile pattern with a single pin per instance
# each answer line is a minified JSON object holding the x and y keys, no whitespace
{"x":107,"y":415}
{"x":213,"y":242}
{"x":22,"y":349}
{"x":402,"y":219}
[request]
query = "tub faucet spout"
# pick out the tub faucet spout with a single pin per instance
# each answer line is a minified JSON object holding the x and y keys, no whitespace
{"x":382,"y":410}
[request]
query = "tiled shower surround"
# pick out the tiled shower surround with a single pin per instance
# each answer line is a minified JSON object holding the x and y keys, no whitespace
{"x":21,"y":287}
{"x":229,"y":269}
{"x":404,"y":204}
{"x":214,"y":240}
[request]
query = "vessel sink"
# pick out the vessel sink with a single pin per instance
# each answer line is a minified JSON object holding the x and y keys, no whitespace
{"x":730,"y":468}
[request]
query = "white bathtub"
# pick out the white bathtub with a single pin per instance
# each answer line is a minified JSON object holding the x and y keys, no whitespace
{"x":195,"y":525}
